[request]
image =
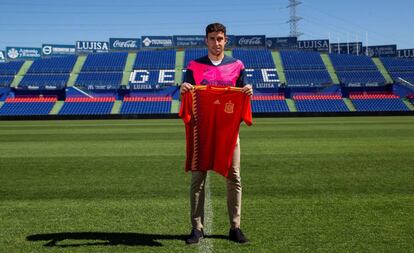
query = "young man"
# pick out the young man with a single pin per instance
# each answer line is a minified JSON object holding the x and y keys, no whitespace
{"x":219,"y":70}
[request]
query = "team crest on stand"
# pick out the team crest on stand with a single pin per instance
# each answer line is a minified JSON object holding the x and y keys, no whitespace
{"x":229,"y":107}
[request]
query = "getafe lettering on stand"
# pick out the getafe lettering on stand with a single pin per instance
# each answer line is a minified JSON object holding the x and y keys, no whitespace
{"x":141,"y":76}
{"x":269,"y":77}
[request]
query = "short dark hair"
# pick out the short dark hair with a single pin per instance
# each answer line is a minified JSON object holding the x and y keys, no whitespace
{"x":215,"y":27}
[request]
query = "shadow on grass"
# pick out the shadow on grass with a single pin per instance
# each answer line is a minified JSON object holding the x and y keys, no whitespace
{"x":108,"y":239}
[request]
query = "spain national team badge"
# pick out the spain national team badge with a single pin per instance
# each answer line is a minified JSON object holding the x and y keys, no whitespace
{"x":229,"y":107}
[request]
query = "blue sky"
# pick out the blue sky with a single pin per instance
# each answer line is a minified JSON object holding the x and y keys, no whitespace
{"x":33,"y":22}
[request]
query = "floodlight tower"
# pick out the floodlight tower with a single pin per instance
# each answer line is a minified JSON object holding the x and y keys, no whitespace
{"x":294,"y":19}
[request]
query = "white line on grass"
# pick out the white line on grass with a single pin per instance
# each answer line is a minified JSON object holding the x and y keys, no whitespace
{"x":207,"y":245}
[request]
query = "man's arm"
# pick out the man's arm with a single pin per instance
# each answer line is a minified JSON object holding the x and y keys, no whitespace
{"x":241,"y":82}
{"x":188,"y":82}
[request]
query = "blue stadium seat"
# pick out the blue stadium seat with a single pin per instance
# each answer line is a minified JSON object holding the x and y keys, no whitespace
{"x":5,"y":81}
{"x":63,"y":64}
{"x":105,"y":62}
{"x":26,"y":108}
{"x":321,"y":105}
{"x":254,"y":58}
{"x":264,"y":106}
{"x":86,"y":108}
{"x":144,"y":107}
{"x":297,"y":60}
{"x":398,"y":65}
{"x":58,"y":80}
{"x":349,"y":62}
{"x":164,"y":59}
{"x":10,"y":68}
{"x":99,"y":78}
{"x":367,"y":76}
{"x":379,"y":105}
{"x":307,"y":78}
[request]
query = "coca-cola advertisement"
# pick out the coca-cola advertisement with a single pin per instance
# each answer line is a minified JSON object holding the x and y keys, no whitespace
{"x":251,"y":41}
{"x":124,"y":44}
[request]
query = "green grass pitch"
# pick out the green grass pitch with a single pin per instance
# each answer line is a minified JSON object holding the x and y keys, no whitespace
{"x":340,"y":184}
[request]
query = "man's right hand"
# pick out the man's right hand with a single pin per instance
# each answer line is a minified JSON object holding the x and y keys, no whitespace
{"x":186,"y":87}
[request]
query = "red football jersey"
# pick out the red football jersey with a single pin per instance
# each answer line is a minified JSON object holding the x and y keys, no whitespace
{"x":212,"y":118}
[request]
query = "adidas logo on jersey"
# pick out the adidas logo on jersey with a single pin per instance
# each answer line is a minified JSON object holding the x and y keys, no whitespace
{"x":217,"y":102}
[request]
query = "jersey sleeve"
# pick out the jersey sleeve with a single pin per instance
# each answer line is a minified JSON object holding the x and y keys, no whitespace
{"x":241,"y":80}
{"x":189,"y":75}
{"x":247,"y":111}
{"x":185,"y":108}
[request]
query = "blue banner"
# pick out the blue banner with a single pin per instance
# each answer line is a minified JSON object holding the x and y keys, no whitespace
{"x":2,"y":56}
{"x":314,"y":45}
{"x":405,"y":53}
{"x":188,"y":40}
{"x":156,"y":41}
{"x":92,"y":46}
{"x":250,"y":41}
{"x":231,"y":41}
{"x":102,"y":87}
{"x":144,"y":86}
{"x":23,"y":52}
{"x":48,"y":49}
{"x":381,"y":51}
{"x":41,"y":87}
{"x":281,"y":42}
{"x":124,"y":44}
{"x":347,"y":48}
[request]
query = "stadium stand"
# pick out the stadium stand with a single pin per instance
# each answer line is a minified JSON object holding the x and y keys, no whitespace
{"x":87,"y":106}
{"x":154,"y":69}
{"x":44,"y":80}
{"x":7,"y":72}
{"x":399,"y":68}
{"x":155,"y":60}
{"x":320,"y":103}
{"x":5,"y":81}
{"x":297,"y":60}
{"x":308,"y":77}
{"x":254,"y":58}
{"x":353,"y":69}
{"x":151,"y":89}
{"x":363,"y":77}
{"x":28,"y":106}
{"x":105,"y":62}
{"x":99,"y":78}
{"x":304,"y":69}
{"x":54,"y":65}
{"x":10,"y":68}
{"x":345,"y":62}
{"x":146,"y":105}
{"x":376,"y":102}
{"x":102,"y":71}
{"x":269,"y":103}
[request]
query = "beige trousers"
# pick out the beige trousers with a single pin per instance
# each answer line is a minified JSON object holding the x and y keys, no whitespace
{"x":234,"y":193}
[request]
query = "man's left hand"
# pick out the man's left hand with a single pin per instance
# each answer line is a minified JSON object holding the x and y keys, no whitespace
{"x":247,"y":89}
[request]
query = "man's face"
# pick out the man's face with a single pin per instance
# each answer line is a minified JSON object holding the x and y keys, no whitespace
{"x":215,"y":43}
